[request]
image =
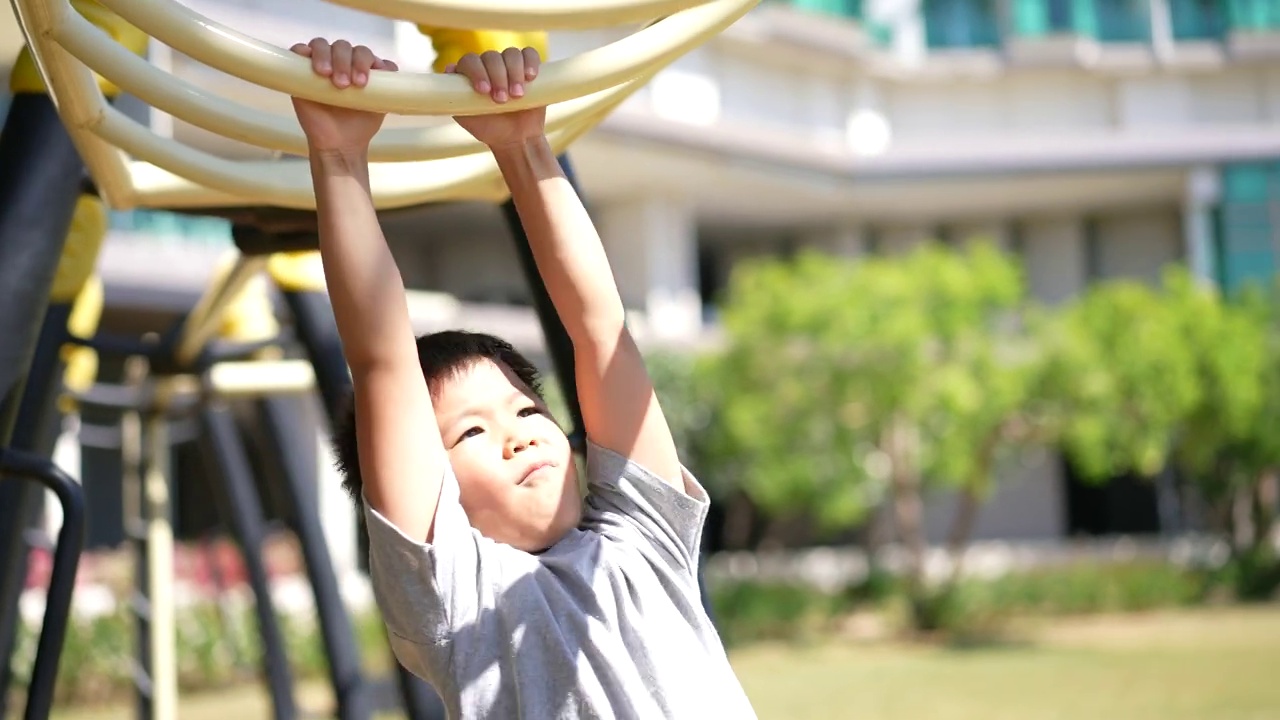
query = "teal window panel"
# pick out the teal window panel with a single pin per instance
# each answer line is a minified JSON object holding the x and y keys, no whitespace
{"x":961,"y":23}
{"x":1037,"y":18}
{"x":1123,"y":20}
{"x":1248,"y":224}
{"x":174,"y":227}
{"x":843,"y":8}
{"x":1253,"y":15}
{"x":1198,"y":19}
{"x":1246,"y":182}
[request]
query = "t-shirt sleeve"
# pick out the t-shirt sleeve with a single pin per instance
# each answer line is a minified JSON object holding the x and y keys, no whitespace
{"x":626,"y":502}
{"x":425,"y":589}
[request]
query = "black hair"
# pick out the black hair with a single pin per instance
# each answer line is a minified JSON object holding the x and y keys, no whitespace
{"x":442,"y":355}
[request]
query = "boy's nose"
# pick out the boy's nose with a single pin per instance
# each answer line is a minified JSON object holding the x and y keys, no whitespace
{"x":519,"y":444}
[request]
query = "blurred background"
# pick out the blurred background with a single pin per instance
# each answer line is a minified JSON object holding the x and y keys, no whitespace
{"x":963,"y":310}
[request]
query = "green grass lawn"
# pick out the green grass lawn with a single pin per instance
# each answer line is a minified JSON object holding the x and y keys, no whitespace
{"x":1206,"y":665}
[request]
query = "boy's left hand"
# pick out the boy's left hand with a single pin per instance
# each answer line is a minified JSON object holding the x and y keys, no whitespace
{"x":502,"y":76}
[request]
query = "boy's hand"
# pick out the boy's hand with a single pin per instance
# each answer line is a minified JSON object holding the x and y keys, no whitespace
{"x":334,"y":129}
{"x":502,"y":76}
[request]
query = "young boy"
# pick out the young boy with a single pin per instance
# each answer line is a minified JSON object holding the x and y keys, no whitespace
{"x":497,"y":583}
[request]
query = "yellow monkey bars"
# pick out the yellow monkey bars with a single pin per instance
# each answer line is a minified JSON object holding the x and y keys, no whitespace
{"x":133,"y":166}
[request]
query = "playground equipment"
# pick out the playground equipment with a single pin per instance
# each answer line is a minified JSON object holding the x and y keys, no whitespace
{"x":66,"y":153}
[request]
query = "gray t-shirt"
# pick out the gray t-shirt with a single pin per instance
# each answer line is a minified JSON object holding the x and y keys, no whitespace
{"x":607,"y":623}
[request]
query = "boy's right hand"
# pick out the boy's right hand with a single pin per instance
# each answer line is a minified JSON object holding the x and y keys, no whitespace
{"x":334,"y":129}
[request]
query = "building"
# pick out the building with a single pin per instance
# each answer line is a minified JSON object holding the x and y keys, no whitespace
{"x":1094,"y":138}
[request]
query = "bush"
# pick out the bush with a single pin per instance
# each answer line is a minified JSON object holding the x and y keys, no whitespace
{"x":749,"y":612}
{"x":217,"y":646}
{"x":1088,"y":588}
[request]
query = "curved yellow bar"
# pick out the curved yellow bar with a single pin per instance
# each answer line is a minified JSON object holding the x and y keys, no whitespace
{"x":156,"y":187}
{"x":529,"y":15}
{"x":276,"y":68}
{"x":288,"y":183}
{"x":163,"y":173}
{"x":26,"y":78}
{"x":230,"y":119}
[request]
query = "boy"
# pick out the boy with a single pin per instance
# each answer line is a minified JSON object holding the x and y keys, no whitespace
{"x":497,"y":583}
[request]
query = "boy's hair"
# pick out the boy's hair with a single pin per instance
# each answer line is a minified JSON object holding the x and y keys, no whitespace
{"x":442,"y":355}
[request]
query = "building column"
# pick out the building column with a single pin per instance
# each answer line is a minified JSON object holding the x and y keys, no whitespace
{"x":902,"y":239}
{"x":1203,"y":191}
{"x":652,"y":243}
{"x":840,"y":240}
{"x":994,"y":232}
{"x":1055,"y":258}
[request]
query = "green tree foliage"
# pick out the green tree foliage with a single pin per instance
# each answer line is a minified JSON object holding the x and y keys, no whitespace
{"x":854,"y":382}
{"x":1122,"y":376}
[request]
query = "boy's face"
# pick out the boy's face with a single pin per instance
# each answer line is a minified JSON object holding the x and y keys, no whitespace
{"x":514,"y":466}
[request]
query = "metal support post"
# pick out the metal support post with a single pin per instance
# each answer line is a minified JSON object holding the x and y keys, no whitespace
{"x":350,"y":687}
{"x":318,"y":333}
{"x":40,"y":177}
{"x":62,"y":579}
{"x":241,"y":508}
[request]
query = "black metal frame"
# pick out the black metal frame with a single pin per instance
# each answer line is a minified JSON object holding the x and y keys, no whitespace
{"x":20,"y":465}
{"x":39,"y":186}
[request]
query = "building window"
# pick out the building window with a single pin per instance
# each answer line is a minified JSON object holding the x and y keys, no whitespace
{"x":843,"y":8}
{"x":1123,"y":20}
{"x":1105,"y":20}
{"x":1248,"y":223}
{"x":168,"y":227}
{"x":1197,"y":19}
{"x":1253,"y":15}
{"x":961,"y":24}
{"x":1037,"y":18}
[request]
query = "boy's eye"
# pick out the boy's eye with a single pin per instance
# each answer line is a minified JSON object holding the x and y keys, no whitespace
{"x":526,"y":412}
{"x":471,"y":432}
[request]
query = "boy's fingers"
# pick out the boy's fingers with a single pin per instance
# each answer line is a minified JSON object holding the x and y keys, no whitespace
{"x":496,"y":69}
{"x":342,"y":51}
{"x":514,"y":61}
{"x":472,"y":68}
{"x":321,"y":60}
{"x":387,"y":65}
{"x":302,"y":49}
{"x":362,"y":60}
{"x":450,"y":67}
{"x":532,"y":62}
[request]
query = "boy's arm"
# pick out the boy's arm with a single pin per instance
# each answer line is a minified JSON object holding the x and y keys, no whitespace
{"x":402,"y":458}
{"x":619,"y":405}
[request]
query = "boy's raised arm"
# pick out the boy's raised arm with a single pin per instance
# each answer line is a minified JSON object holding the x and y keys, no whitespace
{"x":619,"y":406}
{"x":402,"y":458}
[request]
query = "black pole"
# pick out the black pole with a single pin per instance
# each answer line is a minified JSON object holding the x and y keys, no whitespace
{"x":282,"y":426}
{"x":236,"y":493}
{"x":40,"y":181}
{"x":62,"y":579}
{"x":318,"y":333}
{"x":559,"y":346}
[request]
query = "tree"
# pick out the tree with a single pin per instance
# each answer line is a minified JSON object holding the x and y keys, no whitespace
{"x":1122,"y":378}
{"x":1229,"y":444}
{"x":853,"y":382}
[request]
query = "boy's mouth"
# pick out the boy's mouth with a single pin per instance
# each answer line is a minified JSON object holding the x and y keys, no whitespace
{"x":533,"y":469}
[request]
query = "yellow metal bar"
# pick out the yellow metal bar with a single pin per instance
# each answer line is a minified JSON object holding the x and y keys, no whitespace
{"x":529,"y":15}
{"x":225,"y":117}
{"x":242,"y":56}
